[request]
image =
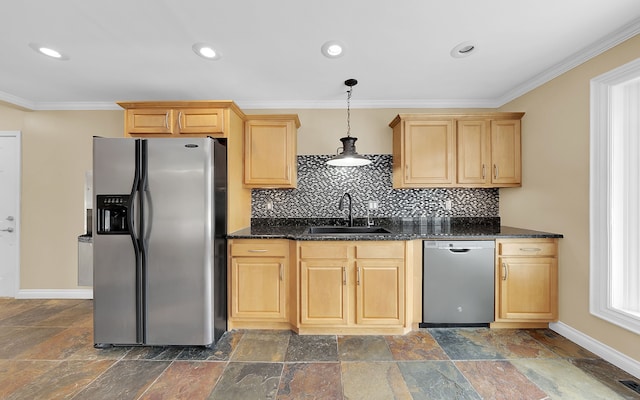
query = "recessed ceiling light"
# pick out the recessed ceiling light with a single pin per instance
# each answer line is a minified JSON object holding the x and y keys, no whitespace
{"x":333,"y":49}
{"x":206,"y":51}
{"x":464,"y":49}
{"x":49,"y":51}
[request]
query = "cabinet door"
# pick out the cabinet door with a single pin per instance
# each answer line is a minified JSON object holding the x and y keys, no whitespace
{"x":270,"y":154}
{"x":380,"y":292}
{"x":202,"y":121}
{"x":506,"y":152}
{"x":528,"y":288}
{"x":428,"y":153}
{"x":323,"y":292}
{"x":473,"y":150}
{"x":149,"y":121}
{"x":258,"y":289}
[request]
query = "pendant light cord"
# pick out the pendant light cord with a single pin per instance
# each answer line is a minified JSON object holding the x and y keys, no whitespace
{"x":349,"y":111}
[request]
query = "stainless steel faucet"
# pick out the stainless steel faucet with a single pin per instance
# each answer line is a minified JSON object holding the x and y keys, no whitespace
{"x":341,"y":207}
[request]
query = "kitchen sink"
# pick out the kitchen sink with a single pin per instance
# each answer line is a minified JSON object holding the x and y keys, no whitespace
{"x":346,"y":230}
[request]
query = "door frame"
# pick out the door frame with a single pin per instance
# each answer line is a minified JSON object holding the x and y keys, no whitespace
{"x":18,"y":200}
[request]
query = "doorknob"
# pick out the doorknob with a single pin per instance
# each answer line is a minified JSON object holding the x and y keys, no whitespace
{"x":10,"y":218}
{"x":7,"y":230}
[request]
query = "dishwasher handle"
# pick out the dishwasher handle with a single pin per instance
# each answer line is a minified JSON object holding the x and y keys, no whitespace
{"x":460,"y":249}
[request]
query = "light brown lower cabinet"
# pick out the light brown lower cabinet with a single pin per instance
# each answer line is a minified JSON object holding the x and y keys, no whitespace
{"x":526,"y":282}
{"x":258,"y":279}
{"x":352,"y":287}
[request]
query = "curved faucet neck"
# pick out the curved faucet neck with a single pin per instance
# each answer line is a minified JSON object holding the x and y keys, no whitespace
{"x":341,"y":206}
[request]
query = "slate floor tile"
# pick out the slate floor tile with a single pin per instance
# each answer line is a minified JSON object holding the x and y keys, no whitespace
{"x":609,"y":375}
{"x":46,"y":352}
{"x":499,"y":380}
{"x":312,"y":348}
{"x":515,"y":343}
{"x":436,"y":380}
{"x":248,"y":381}
{"x":363,"y":348}
{"x":222,"y":350}
{"x":167,"y":353}
{"x":559,"y":344}
{"x":465,"y":344}
{"x":17,"y":340}
{"x":562,"y":380}
{"x":262,"y":345}
{"x":63,"y":381}
{"x":373,"y":381}
{"x":15,"y":374}
{"x":61,"y":346}
{"x":310,"y":381}
{"x":125,"y":380}
{"x":416,"y":345}
{"x":186,"y":380}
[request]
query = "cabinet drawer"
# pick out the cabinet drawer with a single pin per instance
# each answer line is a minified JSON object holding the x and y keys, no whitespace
{"x":152,"y":120}
{"x":325,"y":250}
{"x":201,"y":120}
{"x":386,"y":250}
{"x":260,"y":248}
{"x":530,"y":248}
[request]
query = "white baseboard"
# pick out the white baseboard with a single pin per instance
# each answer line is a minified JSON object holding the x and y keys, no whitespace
{"x":55,"y":294}
{"x":607,"y":353}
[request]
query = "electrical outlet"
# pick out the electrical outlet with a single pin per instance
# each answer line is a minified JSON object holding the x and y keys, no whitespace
{"x":447,"y":205}
{"x":373,"y":204}
{"x":269,"y":205}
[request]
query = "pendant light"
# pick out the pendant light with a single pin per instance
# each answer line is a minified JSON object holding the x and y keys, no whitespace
{"x":348,"y":157}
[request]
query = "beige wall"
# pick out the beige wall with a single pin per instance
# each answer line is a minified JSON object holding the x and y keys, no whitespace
{"x":554,"y":195}
{"x":555,"y":191}
{"x":56,"y":152}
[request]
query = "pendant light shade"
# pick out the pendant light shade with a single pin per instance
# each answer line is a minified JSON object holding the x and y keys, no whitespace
{"x":349,"y":157}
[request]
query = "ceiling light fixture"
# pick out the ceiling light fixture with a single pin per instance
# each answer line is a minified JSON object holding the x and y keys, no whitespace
{"x":333,"y":49}
{"x":49,"y":52}
{"x":206,"y":51}
{"x":349,"y":157}
{"x":464,"y":49}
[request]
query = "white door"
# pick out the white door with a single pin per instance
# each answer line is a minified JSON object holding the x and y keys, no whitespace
{"x":10,"y":154}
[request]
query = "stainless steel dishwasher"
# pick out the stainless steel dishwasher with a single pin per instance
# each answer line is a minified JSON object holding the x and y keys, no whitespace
{"x":458,"y":283}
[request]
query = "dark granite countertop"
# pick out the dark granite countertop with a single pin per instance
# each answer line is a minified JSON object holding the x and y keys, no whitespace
{"x":449,"y":228}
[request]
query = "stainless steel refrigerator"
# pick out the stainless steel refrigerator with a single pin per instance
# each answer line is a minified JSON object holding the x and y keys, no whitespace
{"x":159,"y":250}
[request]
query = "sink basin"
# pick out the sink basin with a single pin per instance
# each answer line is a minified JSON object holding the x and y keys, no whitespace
{"x":346,"y":230}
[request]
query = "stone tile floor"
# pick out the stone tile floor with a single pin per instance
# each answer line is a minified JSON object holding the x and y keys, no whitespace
{"x":46,"y":352}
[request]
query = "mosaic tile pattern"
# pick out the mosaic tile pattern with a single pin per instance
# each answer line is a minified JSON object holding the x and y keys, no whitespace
{"x":320,"y":188}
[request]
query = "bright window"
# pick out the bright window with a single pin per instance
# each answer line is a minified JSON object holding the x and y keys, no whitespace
{"x":615,"y":196}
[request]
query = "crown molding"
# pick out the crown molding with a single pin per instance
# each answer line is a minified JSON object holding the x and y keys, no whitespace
{"x":339,"y":104}
{"x":580,"y":57}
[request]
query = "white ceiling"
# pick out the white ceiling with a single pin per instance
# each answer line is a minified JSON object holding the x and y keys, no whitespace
{"x":399,"y":50}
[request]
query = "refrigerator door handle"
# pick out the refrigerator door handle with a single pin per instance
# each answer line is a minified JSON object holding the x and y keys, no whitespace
{"x":139,"y":242}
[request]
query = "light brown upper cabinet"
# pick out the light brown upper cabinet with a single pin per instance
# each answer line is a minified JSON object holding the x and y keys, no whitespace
{"x":489,"y":153}
{"x":215,"y":118}
{"x":185,"y":118}
{"x":423,"y":152}
{"x":270,"y":151}
{"x":456,"y":150}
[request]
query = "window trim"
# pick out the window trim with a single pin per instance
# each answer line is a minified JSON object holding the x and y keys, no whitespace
{"x":599,"y":205}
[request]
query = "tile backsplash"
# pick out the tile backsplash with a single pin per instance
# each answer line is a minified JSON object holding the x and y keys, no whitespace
{"x":320,"y":187}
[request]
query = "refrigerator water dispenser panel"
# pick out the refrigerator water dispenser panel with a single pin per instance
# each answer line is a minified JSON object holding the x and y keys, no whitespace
{"x":112,"y":214}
